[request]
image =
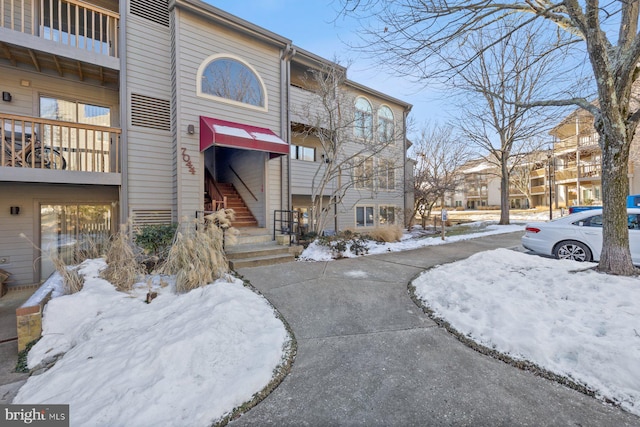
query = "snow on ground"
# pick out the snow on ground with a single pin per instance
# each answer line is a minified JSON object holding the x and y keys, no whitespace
{"x":560,"y":315}
{"x":190,"y":359}
{"x":411,"y":240}
{"x":181,"y":360}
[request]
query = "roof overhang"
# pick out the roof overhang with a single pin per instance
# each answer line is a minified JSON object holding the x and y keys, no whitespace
{"x":237,"y":135}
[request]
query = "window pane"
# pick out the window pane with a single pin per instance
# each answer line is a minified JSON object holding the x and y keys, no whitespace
{"x":294,"y":151}
{"x":308,"y":154}
{"x":58,"y":109}
{"x":385,"y":125}
{"x":230,"y":79}
{"x":360,"y":216}
{"x":369,"y":219}
{"x":363,"y":119}
{"x":94,"y":115}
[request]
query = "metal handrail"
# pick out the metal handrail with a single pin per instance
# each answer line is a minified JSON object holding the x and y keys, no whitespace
{"x":289,"y":224}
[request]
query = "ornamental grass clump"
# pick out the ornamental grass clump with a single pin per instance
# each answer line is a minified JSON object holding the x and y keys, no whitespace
{"x":123,"y":270}
{"x":197,"y":256}
{"x":387,"y":233}
{"x":72,"y":280}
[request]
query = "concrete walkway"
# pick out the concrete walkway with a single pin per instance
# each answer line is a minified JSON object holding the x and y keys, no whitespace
{"x":368,"y":356}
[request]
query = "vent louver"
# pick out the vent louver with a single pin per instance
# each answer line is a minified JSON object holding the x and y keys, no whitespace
{"x":153,"y":10}
{"x":143,"y":217}
{"x":150,"y":112}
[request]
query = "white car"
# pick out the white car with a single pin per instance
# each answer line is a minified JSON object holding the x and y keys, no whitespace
{"x":578,"y":236}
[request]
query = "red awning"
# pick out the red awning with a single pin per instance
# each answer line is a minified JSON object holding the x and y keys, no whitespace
{"x":237,"y":135}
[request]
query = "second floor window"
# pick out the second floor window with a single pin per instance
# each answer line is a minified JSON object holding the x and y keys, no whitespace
{"x":386,"y":175}
{"x":74,"y":111}
{"x":299,"y":152}
{"x":231,"y":79}
{"x":363,"y":119}
{"x":363,"y":173}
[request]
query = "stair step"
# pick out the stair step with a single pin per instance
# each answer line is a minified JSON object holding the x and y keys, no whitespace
{"x":249,"y":239}
{"x":260,"y":261}
{"x":245,"y":251}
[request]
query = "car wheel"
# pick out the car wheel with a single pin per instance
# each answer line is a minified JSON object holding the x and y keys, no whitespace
{"x":573,"y":250}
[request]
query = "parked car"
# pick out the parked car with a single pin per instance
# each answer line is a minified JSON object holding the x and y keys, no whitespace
{"x":633,"y":201}
{"x":578,"y":236}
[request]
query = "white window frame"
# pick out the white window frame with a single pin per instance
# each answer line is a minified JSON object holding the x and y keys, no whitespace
{"x":386,"y":125}
{"x":215,"y":57}
{"x":365,"y":208}
{"x":386,"y":167}
{"x":394,"y":210}
{"x":363,"y":173}
{"x":363,"y":119}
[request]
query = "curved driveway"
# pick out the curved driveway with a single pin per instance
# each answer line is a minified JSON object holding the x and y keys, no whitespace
{"x":368,"y":356}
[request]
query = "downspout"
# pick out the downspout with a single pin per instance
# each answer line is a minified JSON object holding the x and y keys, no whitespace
{"x":124,"y":117}
{"x":285,"y":119}
{"x":405,"y":114}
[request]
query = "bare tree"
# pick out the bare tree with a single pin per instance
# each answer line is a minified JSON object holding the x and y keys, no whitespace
{"x":438,"y":155}
{"x":419,"y":38}
{"x":354,"y":157}
{"x":498,"y":87}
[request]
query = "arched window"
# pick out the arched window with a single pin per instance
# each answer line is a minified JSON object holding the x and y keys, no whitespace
{"x":363,"y":126}
{"x":385,"y":125}
{"x":231,"y":79}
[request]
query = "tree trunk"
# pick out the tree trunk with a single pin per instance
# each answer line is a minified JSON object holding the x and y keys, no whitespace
{"x":616,"y":256}
{"x":504,"y":194}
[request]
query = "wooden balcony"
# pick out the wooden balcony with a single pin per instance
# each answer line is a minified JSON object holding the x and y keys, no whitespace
{"x":566,"y":174}
{"x":306,"y":107}
{"x":69,"y":22}
{"x":52,"y":145}
{"x":536,"y":173}
{"x":477,"y":193}
{"x":538,"y":189}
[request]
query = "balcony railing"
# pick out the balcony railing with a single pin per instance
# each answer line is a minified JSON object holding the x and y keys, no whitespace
{"x":536,"y":173}
{"x":565,"y":174}
{"x":52,"y":144}
{"x":590,"y":171}
{"x":539,"y":189}
{"x":70,"y":22}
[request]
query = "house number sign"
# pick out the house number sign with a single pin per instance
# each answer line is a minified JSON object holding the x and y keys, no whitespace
{"x":186,"y":158}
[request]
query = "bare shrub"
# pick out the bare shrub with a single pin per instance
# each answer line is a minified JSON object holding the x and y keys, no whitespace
{"x":122,"y":269}
{"x":72,"y":280}
{"x":87,"y":247}
{"x":197,"y":256}
{"x":388,"y":233}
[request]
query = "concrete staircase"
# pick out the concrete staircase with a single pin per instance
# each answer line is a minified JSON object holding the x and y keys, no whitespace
{"x":244,"y":217}
{"x":256,"y":248}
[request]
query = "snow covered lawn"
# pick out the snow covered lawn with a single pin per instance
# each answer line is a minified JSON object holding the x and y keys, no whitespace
{"x":412,"y":240}
{"x":561,"y":315}
{"x":185,"y":359}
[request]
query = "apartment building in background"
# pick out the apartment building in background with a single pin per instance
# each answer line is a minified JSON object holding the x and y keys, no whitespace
{"x":143,"y":111}
{"x":567,"y":174}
